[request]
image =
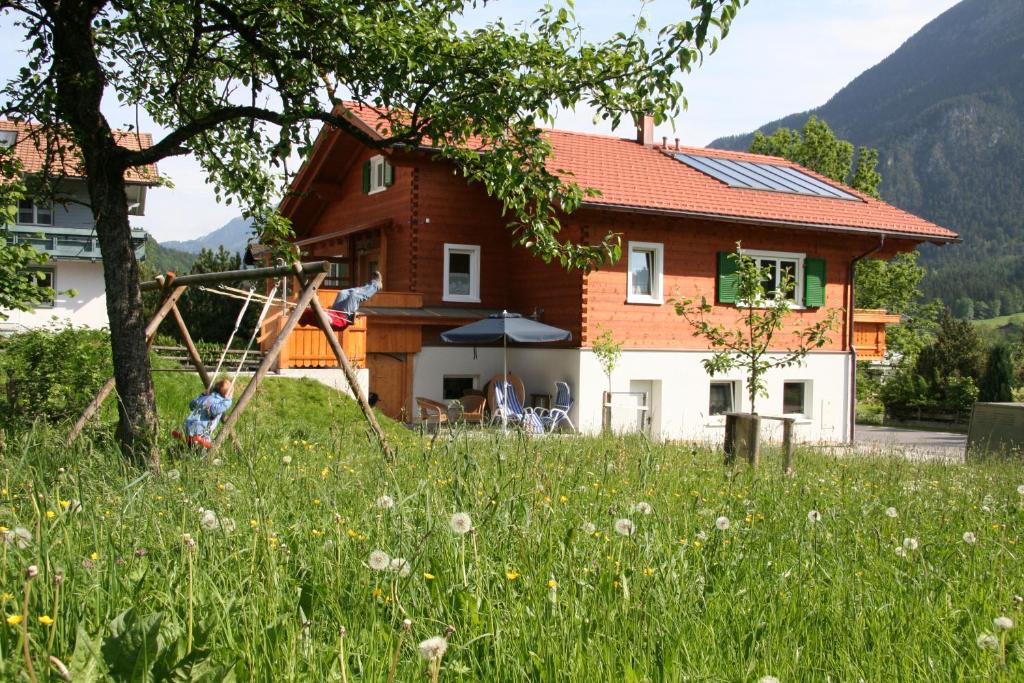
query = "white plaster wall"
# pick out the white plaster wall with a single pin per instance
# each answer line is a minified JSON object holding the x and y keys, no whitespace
{"x":332,"y":377}
{"x":682,"y":387}
{"x":87,"y":308}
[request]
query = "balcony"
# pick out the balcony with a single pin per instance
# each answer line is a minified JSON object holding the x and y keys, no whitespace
{"x":64,"y":243}
{"x":869,"y":332}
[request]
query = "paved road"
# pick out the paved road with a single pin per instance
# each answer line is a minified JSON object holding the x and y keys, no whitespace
{"x":911,"y":441}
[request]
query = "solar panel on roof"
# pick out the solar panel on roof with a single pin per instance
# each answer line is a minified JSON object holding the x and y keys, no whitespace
{"x":753,"y":175}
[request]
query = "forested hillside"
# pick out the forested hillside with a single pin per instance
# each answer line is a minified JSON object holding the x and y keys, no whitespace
{"x":946,"y":112}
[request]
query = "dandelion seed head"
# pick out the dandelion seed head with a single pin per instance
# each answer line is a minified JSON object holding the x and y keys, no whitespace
{"x":588,"y":528}
{"x":286,"y":460}
{"x":891,"y":512}
{"x":460,"y":523}
{"x":625,"y":527}
{"x":987,"y":641}
{"x":970,"y":538}
{"x":768,"y":679}
{"x":1020,"y":489}
{"x":379,"y":561}
{"x":910,"y":543}
{"x":901,"y":551}
{"x":209,"y":520}
{"x":433,"y":648}
{"x":1003,"y":623}
{"x":400,"y":566}
{"x":643,"y":508}
{"x":722,"y":523}
{"x":385,"y":502}
{"x":813,"y":516}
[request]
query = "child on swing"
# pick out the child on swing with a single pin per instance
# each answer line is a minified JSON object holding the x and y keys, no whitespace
{"x":342,"y":312}
{"x":207,"y":409}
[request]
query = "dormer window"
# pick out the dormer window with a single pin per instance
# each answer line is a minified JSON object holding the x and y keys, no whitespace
{"x":31,"y":212}
{"x":378,"y":175}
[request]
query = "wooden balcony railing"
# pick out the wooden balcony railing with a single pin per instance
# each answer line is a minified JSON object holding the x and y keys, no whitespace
{"x":869,"y":332}
{"x":308,"y":348}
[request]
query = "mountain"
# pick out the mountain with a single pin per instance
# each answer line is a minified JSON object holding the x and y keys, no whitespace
{"x":161,"y":259}
{"x":233,"y":236}
{"x":946,"y":112}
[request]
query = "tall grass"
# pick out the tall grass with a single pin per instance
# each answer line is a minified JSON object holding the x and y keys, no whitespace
{"x":541,"y":588}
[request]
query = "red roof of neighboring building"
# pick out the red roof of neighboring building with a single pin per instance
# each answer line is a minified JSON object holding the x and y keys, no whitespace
{"x":631,"y":176}
{"x":31,"y":151}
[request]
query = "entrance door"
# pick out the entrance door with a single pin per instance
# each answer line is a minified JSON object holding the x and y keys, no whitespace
{"x":390,"y":379}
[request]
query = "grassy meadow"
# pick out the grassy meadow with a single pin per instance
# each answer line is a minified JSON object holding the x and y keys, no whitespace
{"x":302,"y":555}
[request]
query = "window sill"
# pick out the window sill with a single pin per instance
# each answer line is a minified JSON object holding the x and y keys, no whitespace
{"x":461,"y":299}
{"x":645,"y":301}
{"x":762,"y":305}
{"x":377,"y":190}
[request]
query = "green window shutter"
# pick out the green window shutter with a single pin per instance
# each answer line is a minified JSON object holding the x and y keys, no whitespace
{"x":389,"y":174}
{"x":366,"y":177}
{"x":814,"y":282}
{"x":727,"y":278}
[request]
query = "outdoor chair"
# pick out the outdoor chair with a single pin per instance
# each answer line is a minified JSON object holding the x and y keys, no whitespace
{"x":510,"y":410}
{"x":432,"y":413}
{"x":554,"y":417}
{"x":473,"y":409}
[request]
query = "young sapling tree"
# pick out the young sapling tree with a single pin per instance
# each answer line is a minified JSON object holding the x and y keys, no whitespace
{"x":752,"y":344}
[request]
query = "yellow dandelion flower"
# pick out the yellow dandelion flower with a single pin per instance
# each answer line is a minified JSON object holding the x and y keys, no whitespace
{"x":50,"y":514}
{"x":552,"y":584}
{"x":14,"y":619}
{"x":377,"y":592}
{"x":316,"y":501}
{"x":428,"y":576}
{"x":254,"y":524}
{"x":6,"y":597}
{"x":65,"y":504}
{"x":3,"y":530}
{"x":512,"y":575}
{"x":94,"y":556}
{"x":323,"y":473}
{"x":563,"y":499}
{"x":683,"y":541}
{"x":46,"y":620}
{"x":317,"y":533}
{"x":697,"y":545}
{"x":648,"y":571}
{"x":352,"y":533}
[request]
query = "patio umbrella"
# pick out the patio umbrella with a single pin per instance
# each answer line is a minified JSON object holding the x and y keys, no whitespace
{"x":505,"y":326}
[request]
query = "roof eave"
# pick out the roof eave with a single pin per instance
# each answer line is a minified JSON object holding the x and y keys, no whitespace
{"x":822,"y":227}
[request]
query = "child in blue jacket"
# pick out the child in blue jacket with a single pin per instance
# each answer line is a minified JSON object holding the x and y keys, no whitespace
{"x":207,"y":409}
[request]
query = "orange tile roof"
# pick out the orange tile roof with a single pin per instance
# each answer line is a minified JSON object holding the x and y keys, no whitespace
{"x":31,"y":150}
{"x":631,"y":176}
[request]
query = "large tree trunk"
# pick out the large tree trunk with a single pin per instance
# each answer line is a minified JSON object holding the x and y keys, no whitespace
{"x":80,"y":85}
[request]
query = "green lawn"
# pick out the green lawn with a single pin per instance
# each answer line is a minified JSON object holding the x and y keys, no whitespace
{"x":809,"y":579}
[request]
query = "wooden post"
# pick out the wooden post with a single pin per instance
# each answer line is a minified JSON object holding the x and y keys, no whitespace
{"x":730,"y":439}
{"x":193,"y":352}
{"x":788,"y":445}
{"x":754,"y":441}
{"x":353,"y":381}
{"x":154,"y":324}
{"x":228,"y":425}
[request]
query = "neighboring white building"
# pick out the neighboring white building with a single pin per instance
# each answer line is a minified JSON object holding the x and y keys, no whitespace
{"x":66,"y":232}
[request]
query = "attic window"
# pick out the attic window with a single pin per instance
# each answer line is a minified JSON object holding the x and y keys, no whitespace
{"x":751,"y":175}
{"x":8,"y":138}
{"x":378,"y":175}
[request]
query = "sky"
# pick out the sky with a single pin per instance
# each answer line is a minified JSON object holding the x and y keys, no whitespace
{"x":781,"y":57}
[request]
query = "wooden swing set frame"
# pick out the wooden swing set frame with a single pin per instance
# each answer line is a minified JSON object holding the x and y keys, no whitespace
{"x":311,"y":275}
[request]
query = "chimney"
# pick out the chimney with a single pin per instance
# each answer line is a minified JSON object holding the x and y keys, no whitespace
{"x":645,"y":130}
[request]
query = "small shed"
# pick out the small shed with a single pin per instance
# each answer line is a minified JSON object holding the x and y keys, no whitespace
{"x":995,"y":428}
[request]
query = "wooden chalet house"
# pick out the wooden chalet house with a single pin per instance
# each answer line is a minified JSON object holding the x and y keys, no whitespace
{"x":65,"y":230}
{"x":447,"y":259}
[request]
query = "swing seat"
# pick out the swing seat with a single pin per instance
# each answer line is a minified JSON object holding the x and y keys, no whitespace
{"x":339,"y":319}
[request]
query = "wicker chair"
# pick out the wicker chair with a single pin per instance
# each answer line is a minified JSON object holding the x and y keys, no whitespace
{"x":432,"y":413}
{"x":473,"y":409}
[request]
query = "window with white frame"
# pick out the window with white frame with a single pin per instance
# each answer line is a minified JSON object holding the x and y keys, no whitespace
{"x":645,"y":273}
{"x":785,"y":274}
{"x":722,"y":398}
{"x":45,"y":278}
{"x":8,"y":138}
{"x":379,"y":174}
{"x":31,"y":212}
{"x":462,"y":272}
{"x":794,"y":398}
